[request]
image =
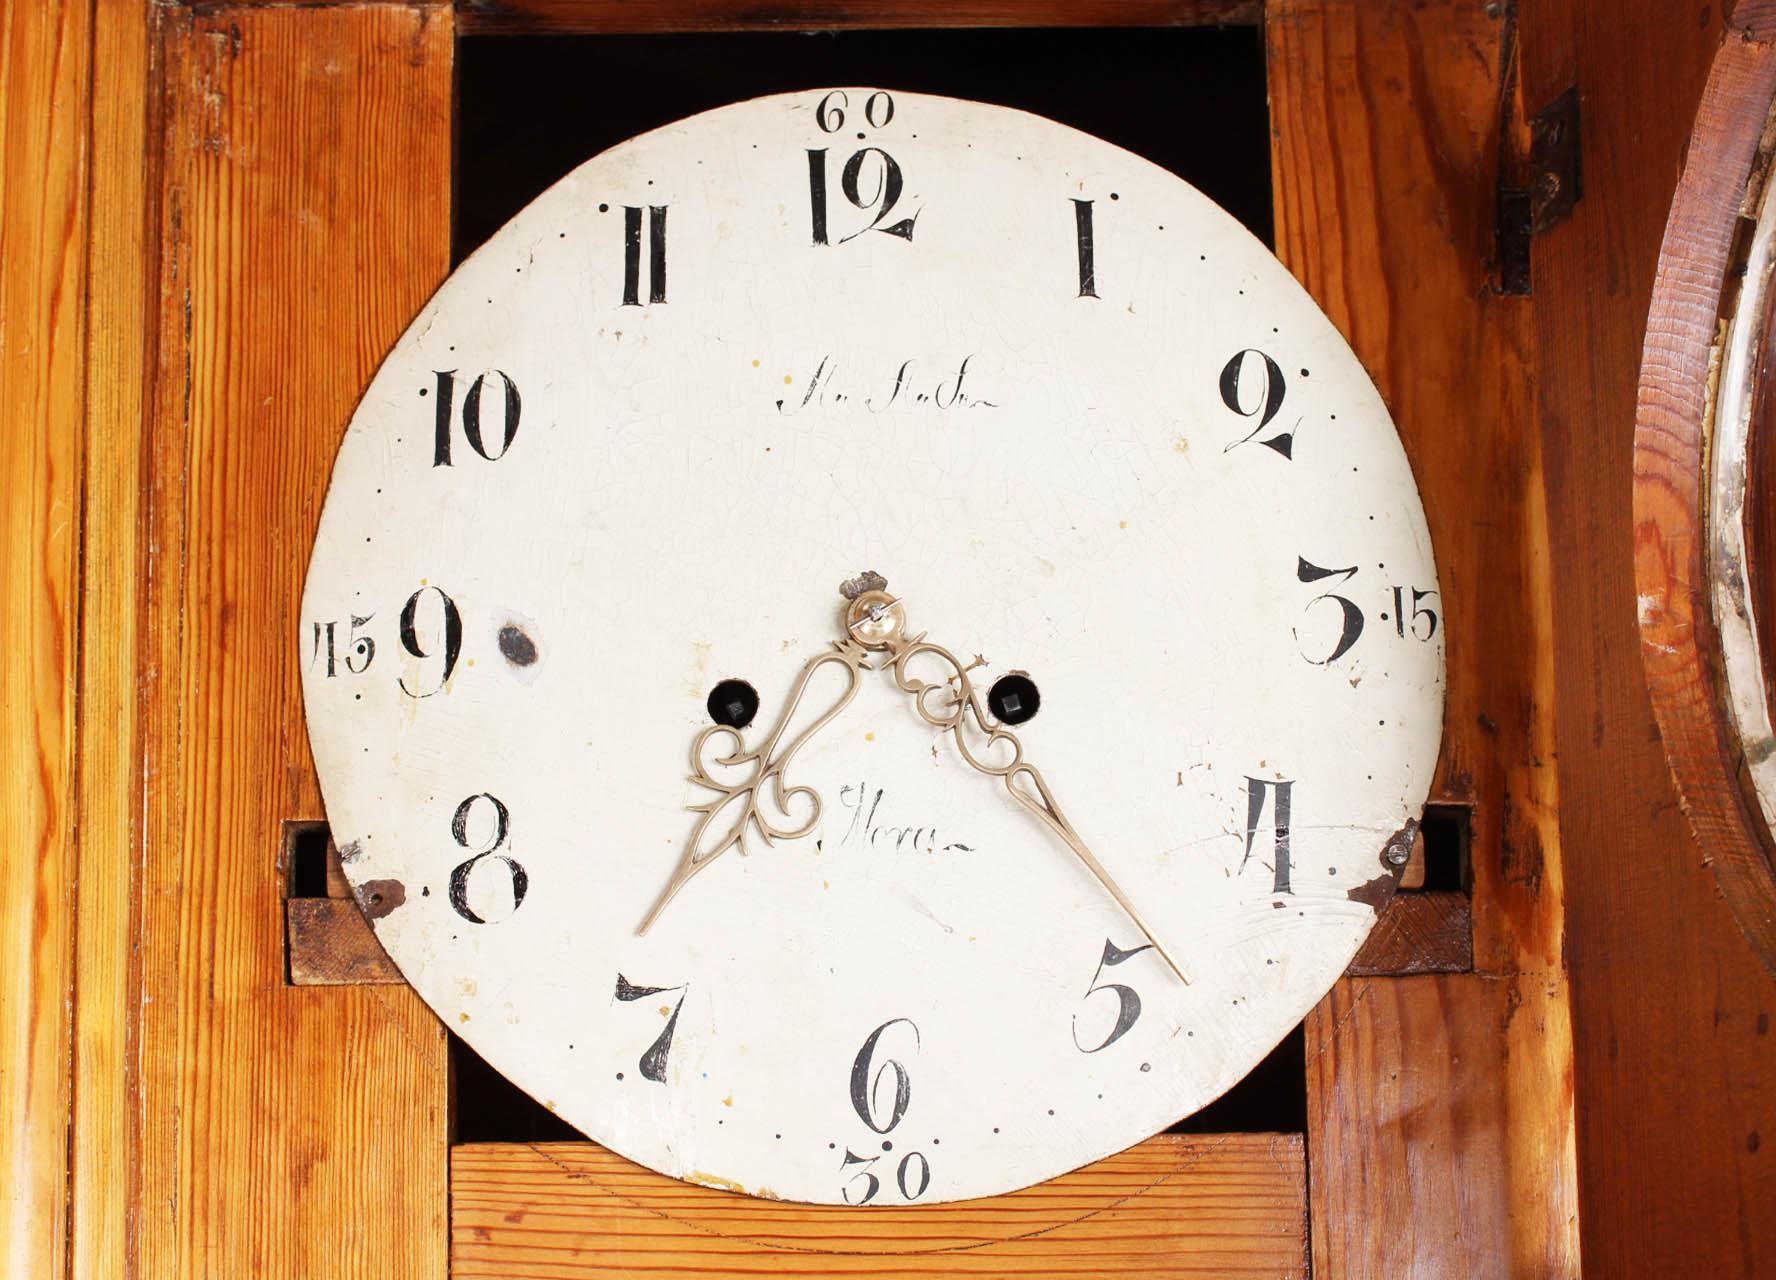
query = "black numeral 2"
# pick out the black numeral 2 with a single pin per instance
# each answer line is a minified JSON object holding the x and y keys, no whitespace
{"x":632,"y":254}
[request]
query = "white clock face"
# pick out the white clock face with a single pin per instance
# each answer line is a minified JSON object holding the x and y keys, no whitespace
{"x":1092,"y":435}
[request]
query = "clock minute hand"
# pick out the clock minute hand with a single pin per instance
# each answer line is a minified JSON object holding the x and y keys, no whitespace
{"x":877,"y":620}
{"x":1043,"y":806}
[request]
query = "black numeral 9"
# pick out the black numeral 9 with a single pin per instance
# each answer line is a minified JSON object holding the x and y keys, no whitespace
{"x":450,"y":623}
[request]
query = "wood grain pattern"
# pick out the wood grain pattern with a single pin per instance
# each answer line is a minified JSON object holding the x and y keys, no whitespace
{"x":1409,"y":1087}
{"x":121,"y":272}
{"x":280,"y":1131}
{"x":1674,"y":1066}
{"x":1419,"y":933}
{"x":44,"y":112}
{"x":1222,"y":1205}
{"x":1392,"y":122}
{"x":1679,"y":644}
{"x":478,"y":17}
{"x":332,"y":945}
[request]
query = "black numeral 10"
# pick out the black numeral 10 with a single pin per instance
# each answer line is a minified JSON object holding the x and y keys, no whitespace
{"x":445,"y":417}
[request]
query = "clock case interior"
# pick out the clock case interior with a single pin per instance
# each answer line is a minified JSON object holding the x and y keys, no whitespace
{"x":1129,"y":87}
{"x":1397,"y":138}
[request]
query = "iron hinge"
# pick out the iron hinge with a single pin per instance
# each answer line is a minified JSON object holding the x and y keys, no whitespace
{"x":1556,"y":184}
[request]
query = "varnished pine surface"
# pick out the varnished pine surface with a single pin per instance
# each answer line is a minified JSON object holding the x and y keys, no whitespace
{"x":44,"y":105}
{"x":1675,"y":1063}
{"x":561,"y":16}
{"x":1680,"y":647}
{"x":1392,"y":123}
{"x":1222,"y":1205}
{"x":304,"y":218}
{"x":119,"y":324}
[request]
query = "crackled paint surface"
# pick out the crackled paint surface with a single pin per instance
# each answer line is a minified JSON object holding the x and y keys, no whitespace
{"x":1088,"y":429}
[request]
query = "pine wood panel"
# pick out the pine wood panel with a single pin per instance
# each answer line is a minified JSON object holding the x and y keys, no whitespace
{"x":1419,"y":933}
{"x":281,"y":1131}
{"x":1224,"y":1205}
{"x":1692,"y":292}
{"x":1675,"y":1066}
{"x":120,"y":261}
{"x":1392,"y":122}
{"x":1409,"y":1088}
{"x":44,"y":50}
{"x":503,"y":16}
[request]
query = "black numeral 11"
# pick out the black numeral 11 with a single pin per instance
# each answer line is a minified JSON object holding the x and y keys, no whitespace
{"x":632,"y":254}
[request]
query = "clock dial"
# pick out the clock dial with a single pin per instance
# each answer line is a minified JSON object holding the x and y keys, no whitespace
{"x":605,"y":494}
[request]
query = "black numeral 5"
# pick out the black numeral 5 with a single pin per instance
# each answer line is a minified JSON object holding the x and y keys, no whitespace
{"x":1128,"y":1001}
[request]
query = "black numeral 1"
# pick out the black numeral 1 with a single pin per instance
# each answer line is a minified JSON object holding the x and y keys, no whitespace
{"x":817,"y":192}
{"x":632,"y":254}
{"x":1256,"y":790}
{"x":1082,"y":226}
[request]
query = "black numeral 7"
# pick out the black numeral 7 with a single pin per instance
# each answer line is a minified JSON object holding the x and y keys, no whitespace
{"x":653,"y":1062}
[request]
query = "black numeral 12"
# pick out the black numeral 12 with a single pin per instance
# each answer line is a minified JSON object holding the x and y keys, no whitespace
{"x":883,"y":199}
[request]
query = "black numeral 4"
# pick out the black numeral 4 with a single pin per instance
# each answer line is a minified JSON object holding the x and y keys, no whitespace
{"x":1278,"y":795}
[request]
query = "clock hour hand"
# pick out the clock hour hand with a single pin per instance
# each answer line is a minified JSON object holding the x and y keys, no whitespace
{"x":739,"y":804}
{"x":877,"y":620}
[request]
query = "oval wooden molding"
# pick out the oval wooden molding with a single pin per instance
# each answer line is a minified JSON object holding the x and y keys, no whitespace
{"x":1704,"y":332}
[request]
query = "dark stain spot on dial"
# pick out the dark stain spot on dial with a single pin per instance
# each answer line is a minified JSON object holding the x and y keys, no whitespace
{"x":350,"y":852}
{"x":515,"y":642}
{"x":376,"y":898}
{"x":1375,"y":893}
{"x":1146,"y":1066}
